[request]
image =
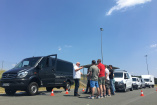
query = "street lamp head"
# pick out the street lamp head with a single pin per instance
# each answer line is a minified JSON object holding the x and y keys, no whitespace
{"x":101,"y":29}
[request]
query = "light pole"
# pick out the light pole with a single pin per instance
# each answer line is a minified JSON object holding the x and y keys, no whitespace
{"x":101,"y":29}
{"x":147,"y":64}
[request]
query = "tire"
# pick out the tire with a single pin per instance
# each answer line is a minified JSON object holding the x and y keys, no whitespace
{"x":152,"y":86}
{"x":137,"y":88}
{"x":10,"y":92}
{"x":124,"y":89}
{"x":141,"y":87}
{"x":67,"y":86}
{"x":131,"y":89}
{"x":49,"y":89}
{"x":32,"y":89}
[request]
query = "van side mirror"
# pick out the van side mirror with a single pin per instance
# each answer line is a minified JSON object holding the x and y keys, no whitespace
{"x":150,"y":81}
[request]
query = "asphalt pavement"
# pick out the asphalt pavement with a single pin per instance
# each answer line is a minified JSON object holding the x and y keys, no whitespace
{"x":60,"y":98}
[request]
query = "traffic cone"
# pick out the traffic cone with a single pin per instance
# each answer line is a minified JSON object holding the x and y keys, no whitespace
{"x":142,"y":93}
{"x":52,"y":94}
{"x":83,"y":90}
{"x":66,"y":91}
{"x":156,"y":89}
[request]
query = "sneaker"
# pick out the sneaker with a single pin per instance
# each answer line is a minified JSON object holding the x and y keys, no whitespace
{"x":91,"y":97}
{"x":101,"y":97}
{"x":104,"y":96}
{"x":108,"y":95}
{"x":98,"y":97}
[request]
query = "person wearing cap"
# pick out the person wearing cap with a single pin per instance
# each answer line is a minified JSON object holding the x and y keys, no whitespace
{"x":77,"y":76}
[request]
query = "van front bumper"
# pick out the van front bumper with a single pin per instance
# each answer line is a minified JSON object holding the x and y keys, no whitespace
{"x":135,"y":86}
{"x":18,"y":84}
{"x":119,"y":86}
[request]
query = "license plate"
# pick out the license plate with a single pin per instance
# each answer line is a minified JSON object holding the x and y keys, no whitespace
{"x":5,"y":84}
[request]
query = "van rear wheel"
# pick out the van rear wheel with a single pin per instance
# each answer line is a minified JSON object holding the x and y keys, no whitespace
{"x":67,"y":86}
{"x":32,"y":89}
{"x":131,"y":89}
{"x":10,"y":91}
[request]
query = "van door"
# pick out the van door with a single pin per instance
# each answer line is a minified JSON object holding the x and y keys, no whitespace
{"x":46,"y":72}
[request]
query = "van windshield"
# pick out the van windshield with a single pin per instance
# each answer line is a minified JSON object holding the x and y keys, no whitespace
{"x":133,"y":79}
{"x":118,"y":75}
{"x":29,"y":62}
{"x":146,"y":80}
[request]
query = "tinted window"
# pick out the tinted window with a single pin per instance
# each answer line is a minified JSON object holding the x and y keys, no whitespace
{"x":128,"y":76}
{"x":118,"y":75}
{"x":29,"y":62}
{"x":64,"y":66}
{"x":146,"y":80}
{"x":44,"y":63}
{"x":133,"y":79}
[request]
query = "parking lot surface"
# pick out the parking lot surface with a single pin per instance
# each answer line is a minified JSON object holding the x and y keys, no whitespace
{"x":60,"y":98}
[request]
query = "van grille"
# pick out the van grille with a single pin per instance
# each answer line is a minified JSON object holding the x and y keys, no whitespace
{"x":116,"y":83}
{"x":9,"y":76}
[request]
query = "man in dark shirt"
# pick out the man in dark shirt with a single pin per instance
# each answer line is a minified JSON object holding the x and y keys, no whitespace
{"x":111,"y":80}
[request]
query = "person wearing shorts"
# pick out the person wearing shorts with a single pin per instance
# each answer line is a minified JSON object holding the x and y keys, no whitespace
{"x":101,"y":79}
{"x":94,"y":71}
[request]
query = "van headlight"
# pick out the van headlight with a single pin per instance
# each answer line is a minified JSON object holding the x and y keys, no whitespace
{"x":22,"y":74}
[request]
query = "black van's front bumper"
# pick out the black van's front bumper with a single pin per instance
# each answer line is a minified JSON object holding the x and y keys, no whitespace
{"x":18,"y":84}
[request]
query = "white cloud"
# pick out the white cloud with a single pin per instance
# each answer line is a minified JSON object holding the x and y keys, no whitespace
{"x":68,"y":46}
{"x":59,"y":48}
{"x":121,"y":4}
{"x":153,"y":45}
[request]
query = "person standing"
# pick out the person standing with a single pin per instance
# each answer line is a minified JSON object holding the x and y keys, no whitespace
{"x":88,"y":82}
{"x":94,"y":72}
{"x":107,"y":82}
{"x":111,"y":80}
{"x":101,"y":79}
{"x":77,"y":76}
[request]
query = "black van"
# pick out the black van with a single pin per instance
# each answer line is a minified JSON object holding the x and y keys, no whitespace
{"x":32,"y":73}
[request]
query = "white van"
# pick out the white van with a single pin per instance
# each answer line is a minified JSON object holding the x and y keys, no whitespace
{"x":136,"y":83}
{"x":149,"y":80}
{"x":123,"y":80}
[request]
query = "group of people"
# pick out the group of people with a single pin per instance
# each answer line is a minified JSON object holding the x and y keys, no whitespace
{"x":97,"y":76}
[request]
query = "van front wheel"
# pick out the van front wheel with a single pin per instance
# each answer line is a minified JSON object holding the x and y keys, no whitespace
{"x":32,"y":89}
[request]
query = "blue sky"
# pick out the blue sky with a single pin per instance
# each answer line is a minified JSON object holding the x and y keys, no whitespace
{"x":71,"y":29}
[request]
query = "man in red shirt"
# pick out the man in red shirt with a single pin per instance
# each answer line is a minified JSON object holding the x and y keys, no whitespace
{"x":101,"y":79}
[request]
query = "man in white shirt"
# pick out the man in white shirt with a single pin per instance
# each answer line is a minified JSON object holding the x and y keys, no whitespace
{"x":77,"y":76}
{"x":107,"y":82}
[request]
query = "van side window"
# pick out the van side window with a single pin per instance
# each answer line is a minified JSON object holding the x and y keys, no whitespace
{"x":128,"y":76}
{"x":125,"y":75}
{"x":44,"y":63}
